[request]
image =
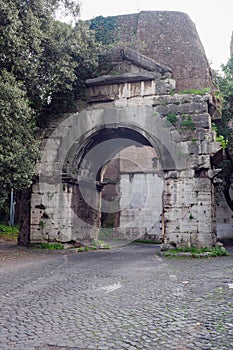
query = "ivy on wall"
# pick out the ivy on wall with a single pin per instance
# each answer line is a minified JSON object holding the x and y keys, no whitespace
{"x":104,"y":28}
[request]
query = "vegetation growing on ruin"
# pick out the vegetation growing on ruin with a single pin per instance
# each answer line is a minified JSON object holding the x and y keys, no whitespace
{"x":49,"y":246}
{"x":172,"y":119}
{"x":194,"y":252}
{"x":104,"y":28}
{"x":187,"y":122}
{"x":195,"y":91}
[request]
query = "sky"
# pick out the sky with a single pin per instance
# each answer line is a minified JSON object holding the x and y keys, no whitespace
{"x":213,"y":19}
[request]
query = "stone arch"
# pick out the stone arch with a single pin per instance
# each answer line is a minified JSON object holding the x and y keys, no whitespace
{"x":159,"y":139}
{"x":58,"y":185}
{"x":143,"y":192}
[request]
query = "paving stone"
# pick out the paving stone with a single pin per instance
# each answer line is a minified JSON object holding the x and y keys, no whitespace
{"x":63,"y":308}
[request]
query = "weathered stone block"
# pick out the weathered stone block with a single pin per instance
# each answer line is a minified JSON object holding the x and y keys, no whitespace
{"x":199,"y":161}
{"x":202,"y":121}
{"x":164,"y":87}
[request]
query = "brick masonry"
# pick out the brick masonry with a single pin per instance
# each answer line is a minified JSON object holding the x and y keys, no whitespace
{"x":169,"y":38}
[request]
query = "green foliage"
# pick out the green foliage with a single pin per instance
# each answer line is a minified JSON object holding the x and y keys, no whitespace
{"x":220,"y":138}
{"x":218,"y":251}
{"x":104,"y":29}
{"x":197,"y":252}
{"x":214,"y":127}
{"x":8,"y":232}
{"x":195,"y":91}
{"x":187,"y":122}
{"x":225,"y":127}
{"x":44,"y":65}
{"x":191,"y":217}
{"x":49,"y":246}
{"x":173,"y":92}
{"x":172,"y":119}
{"x":71,"y":62}
{"x":42,"y":224}
{"x":103,"y":245}
{"x":146,"y":241}
{"x":225,"y":84}
{"x":51,"y":58}
{"x":5,"y":229}
{"x":92,"y":247}
{"x":81,"y":249}
{"x":18,"y":146}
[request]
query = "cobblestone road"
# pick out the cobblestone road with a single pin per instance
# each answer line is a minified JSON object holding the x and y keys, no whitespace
{"x":125,"y":298}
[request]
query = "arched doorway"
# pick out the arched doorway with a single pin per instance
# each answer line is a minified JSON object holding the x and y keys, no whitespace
{"x":118,"y":183}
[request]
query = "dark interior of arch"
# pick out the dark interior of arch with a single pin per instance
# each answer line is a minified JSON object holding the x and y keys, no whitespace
{"x":122,"y":137}
{"x":116,"y":139}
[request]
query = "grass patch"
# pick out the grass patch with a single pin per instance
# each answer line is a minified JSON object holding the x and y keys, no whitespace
{"x":146,"y":241}
{"x":85,"y":249}
{"x":95,"y":246}
{"x":196,"y":252}
{"x":49,"y":246}
{"x":195,"y":92}
{"x":81,"y":249}
{"x":8,"y":232}
{"x":219,"y":251}
{"x":103,"y":245}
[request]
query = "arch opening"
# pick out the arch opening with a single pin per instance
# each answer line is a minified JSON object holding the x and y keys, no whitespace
{"x":117,"y":181}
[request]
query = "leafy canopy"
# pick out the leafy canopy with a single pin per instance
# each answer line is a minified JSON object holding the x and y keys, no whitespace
{"x":44,"y":64}
{"x":225,"y":84}
{"x":18,"y":147}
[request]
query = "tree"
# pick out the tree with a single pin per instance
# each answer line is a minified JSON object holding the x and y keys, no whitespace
{"x":225,"y":84}
{"x":44,"y":63}
{"x":18,"y":146}
{"x":47,"y":55}
{"x":71,"y":57}
{"x":225,"y":127}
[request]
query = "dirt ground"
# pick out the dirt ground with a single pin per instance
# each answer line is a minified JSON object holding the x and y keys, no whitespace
{"x":12,"y":254}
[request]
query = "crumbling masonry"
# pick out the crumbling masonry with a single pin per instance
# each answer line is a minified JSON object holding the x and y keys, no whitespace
{"x":141,"y":153}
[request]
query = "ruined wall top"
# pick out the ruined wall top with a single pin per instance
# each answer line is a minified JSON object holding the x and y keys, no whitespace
{"x":169,"y":38}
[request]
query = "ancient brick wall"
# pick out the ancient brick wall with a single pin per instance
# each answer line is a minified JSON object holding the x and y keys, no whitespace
{"x":170,"y":38}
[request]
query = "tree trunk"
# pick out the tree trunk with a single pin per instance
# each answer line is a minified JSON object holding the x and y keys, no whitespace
{"x":23,"y":209}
